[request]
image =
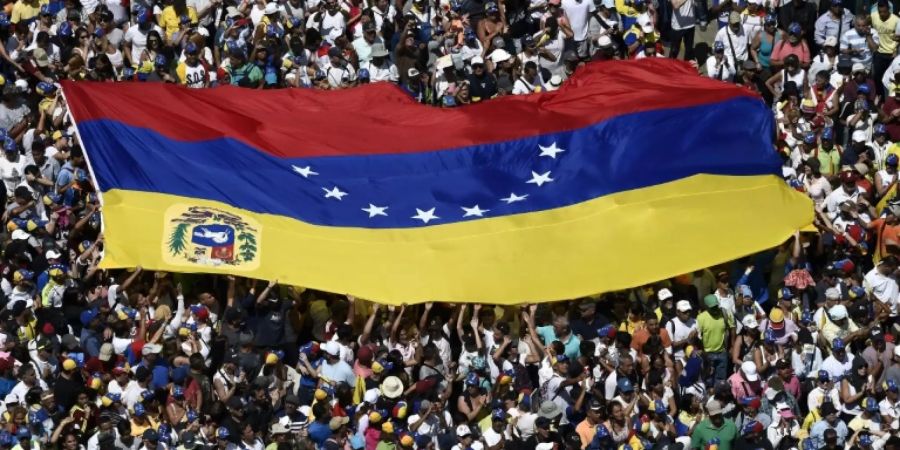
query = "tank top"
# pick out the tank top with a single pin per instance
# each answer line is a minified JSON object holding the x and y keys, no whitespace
{"x":798,"y":78}
{"x":765,"y":50}
{"x":746,"y":350}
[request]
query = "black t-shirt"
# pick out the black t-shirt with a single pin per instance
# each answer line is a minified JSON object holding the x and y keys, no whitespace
{"x":271,"y":317}
{"x":484,"y":87}
{"x":588,"y":330}
{"x":66,"y":390}
{"x":759,"y":444}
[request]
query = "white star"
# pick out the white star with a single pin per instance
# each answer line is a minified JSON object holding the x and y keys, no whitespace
{"x":551,"y":150}
{"x":474,"y":211}
{"x":304,"y":171}
{"x":425,"y":216}
{"x":540,"y":179}
{"x":334,"y":193}
{"x":514,"y":198}
{"x":375,"y":210}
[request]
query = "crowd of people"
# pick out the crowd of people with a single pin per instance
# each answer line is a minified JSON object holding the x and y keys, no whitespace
{"x":790,"y":348}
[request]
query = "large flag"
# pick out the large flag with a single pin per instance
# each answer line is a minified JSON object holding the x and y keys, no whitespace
{"x":631,"y":173}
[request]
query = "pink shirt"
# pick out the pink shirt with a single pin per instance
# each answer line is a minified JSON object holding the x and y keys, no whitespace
{"x":793,"y":387}
{"x":783,"y":48}
{"x":741,"y":388}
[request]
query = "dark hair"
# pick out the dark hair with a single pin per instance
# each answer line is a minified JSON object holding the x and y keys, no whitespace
{"x":180,"y":7}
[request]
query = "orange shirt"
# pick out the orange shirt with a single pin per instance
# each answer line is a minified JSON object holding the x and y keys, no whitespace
{"x":641,"y":336}
{"x":890,"y":234}
{"x":586,"y":431}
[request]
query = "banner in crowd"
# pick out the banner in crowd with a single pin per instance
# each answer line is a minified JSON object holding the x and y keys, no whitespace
{"x":632,"y":172}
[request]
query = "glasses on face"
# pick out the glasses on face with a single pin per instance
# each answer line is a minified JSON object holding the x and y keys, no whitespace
{"x":83,"y":36}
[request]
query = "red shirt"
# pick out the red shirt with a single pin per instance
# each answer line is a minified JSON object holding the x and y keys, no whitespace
{"x":893,"y":127}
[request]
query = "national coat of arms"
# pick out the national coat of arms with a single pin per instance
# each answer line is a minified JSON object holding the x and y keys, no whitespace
{"x":206,"y":236}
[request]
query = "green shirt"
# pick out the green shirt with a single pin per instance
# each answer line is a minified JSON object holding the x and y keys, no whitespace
{"x":705,"y":431}
{"x":713,"y":331}
{"x":382,"y":445}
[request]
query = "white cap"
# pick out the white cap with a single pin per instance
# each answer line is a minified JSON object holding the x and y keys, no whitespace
{"x":645,"y":23}
{"x":271,"y":8}
{"x":749,"y":321}
{"x":476,"y":60}
{"x":604,"y":41}
{"x":859,"y":136}
{"x":500,"y":55}
{"x":332,"y":348}
{"x":830,"y":41}
{"x":782,"y":406}
{"x":412,"y":72}
{"x":664,"y":294}
{"x":22,"y":85}
{"x":52,"y":254}
{"x":444,"y":62}
{"x":463,"y":430}
{"x":683,"y":305}
{"x":371,"y":396}
{"x":858,"y":67}
{"x":555,"y":82}
{"x":755,"y":2}
{"x":838,"y":312}
{"x":749,"y":370}
{"x":151,"y":349}
{"x":832,"y":294}
{"x":20,"y":235}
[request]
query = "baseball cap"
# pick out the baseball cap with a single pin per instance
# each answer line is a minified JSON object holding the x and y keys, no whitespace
{"x":838,"y":312}
{"x":714,"y":407}
{"x":752,"y":426}
{"x":683,"y":305}
{"x":837,"y":344}
{"x":749,"y":321}
{"x":664,"y":294}
{"x":625,"y":385}
{"x":824,"y":377}
{"x":711,"y":301}
{"x":337,"y":422}
{"x":749,"y":370}
{"x":734,"y":17}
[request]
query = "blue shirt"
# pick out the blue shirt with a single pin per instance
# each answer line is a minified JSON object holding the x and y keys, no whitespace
{"x":319,"y":433}
{"x":66,"y":176}
{"x":340,"y":371}
{"x":573,"y":345}
{"x":90,"y":340}
{"x":817,"y":432}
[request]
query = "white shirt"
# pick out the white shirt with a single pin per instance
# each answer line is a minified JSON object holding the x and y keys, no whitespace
{"x":578,"y":13}
{"x":132,"y":394}
{"x":679,"y":331}
{"x":138,"y":39}
{"x":719,"y":70}
{"x":838,"y":196}
{"x":523,"y":87}
{"x":12,"y":173}
{"x":741,"y":43}
{"x":835,"y":368}
{"x":884,"y":288}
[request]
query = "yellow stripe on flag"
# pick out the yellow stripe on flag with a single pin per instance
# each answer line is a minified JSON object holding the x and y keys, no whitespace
{"x":609,"y":243}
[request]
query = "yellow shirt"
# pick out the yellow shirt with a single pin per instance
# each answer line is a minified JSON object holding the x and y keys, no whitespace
{"x":171,"y":23}
{"x":24,"y":11}
{"x":626,"y":9}
{"x":886,"y":31}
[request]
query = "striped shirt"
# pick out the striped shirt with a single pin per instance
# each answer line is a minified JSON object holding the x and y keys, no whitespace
{"x":860,"y":51}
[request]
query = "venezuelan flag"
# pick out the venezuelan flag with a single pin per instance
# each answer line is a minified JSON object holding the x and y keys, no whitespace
{"x":631,"y":173}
